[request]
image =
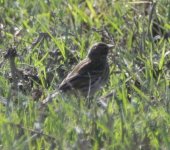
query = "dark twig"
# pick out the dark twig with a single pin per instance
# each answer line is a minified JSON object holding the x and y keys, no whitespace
{"x":11,"y":55}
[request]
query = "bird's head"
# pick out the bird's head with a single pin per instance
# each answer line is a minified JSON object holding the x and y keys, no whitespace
{"x":99,"y":51}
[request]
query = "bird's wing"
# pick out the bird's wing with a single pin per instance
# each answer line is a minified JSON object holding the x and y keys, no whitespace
{"x":79,"y":69}
{"x":80,"y":75}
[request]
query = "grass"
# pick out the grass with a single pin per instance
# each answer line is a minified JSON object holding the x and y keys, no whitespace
{"x":52,"y":36}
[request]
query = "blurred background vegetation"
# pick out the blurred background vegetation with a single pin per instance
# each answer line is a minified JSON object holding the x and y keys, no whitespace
{"x":41,"y":40}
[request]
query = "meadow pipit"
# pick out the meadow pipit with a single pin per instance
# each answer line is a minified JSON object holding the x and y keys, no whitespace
{"x":90,"y":74}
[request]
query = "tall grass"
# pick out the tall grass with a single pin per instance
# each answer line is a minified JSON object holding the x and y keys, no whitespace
{"x":52,"y":36}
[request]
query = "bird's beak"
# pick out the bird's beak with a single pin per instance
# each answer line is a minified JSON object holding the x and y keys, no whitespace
{"x":110,"y":46}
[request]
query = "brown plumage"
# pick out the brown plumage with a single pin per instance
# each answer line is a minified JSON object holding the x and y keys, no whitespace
{"x":90,"y":74}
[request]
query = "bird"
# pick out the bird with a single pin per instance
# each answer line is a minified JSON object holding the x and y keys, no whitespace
{"x":90,"y":74}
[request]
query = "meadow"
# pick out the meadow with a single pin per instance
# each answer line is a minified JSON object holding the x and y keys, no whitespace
{"x":40,"y":41}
